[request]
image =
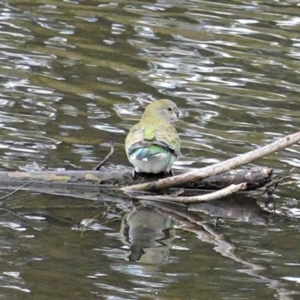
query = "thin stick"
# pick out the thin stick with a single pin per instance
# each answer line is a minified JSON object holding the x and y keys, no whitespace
{"x":11,"y":193}
{"x":111,"y":152}
{"x":195,"y":199}
{"x":217,"y":168}
{"x":14,"y":191}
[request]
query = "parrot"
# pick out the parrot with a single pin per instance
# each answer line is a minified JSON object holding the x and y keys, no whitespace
{"x":153,"y":144}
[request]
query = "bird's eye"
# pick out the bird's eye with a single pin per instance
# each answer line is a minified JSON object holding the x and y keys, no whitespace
{"x":169,"y":108}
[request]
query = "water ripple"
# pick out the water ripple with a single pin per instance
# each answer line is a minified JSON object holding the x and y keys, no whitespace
{"x":76,"y":74}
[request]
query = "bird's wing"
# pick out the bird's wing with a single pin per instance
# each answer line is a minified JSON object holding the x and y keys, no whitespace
{"x":135,"y":136}
{"x":168,"y":135}
{"x":164,"y":135}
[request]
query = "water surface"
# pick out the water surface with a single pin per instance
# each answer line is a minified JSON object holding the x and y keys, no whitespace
{"x":75,"y":74}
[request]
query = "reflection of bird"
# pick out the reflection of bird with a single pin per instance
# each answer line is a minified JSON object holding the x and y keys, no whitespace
{"x":149,"y":233}
{"x":153,"y":144}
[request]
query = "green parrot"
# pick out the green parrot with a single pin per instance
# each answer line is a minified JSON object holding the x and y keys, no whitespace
{"x":153,"y":144}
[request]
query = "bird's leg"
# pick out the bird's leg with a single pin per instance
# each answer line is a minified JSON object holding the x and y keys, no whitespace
{"x":133,"y":172}
{"x":170,"y":172}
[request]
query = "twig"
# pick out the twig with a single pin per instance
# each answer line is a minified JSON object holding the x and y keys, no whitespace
{"x":177,"y":193}
{"x":229,"y":164}
{"x":272,"y":186}
{"x":11,"y":193}
{"x":194,"y":199}
{"x":13,"y":213}
{"x":14,"y":191}
{"x":111,"y":152}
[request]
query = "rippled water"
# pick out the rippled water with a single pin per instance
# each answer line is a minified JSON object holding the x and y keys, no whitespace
{"x":75,"y":74}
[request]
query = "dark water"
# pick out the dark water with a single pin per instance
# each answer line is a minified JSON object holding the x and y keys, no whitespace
{"x":75,"y":74}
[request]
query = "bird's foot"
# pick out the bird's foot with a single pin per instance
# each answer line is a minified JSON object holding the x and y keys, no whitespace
{"x":170,"y":173}
{"x":133,"y":173}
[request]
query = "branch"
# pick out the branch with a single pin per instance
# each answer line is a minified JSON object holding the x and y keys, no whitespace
{"x":235,"y":162}
{"x":195,"y":199}
{"x":111,"y":152}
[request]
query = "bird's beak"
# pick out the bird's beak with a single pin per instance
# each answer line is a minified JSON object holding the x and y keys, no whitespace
{"x":179,"y":113}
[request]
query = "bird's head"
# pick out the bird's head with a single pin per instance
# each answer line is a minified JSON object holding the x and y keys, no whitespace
{"x":165,"y":109}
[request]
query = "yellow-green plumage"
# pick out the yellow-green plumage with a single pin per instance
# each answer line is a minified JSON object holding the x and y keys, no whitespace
{"x":153,"y":144}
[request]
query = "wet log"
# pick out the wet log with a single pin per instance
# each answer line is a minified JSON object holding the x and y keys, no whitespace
{"x":254,"y":177}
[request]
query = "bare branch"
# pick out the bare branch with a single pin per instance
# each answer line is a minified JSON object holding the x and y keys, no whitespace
{"x":14,"y":191}
{"x":195,"y":199}
{"x":217,"y":168}
{"x":111,"y":152}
